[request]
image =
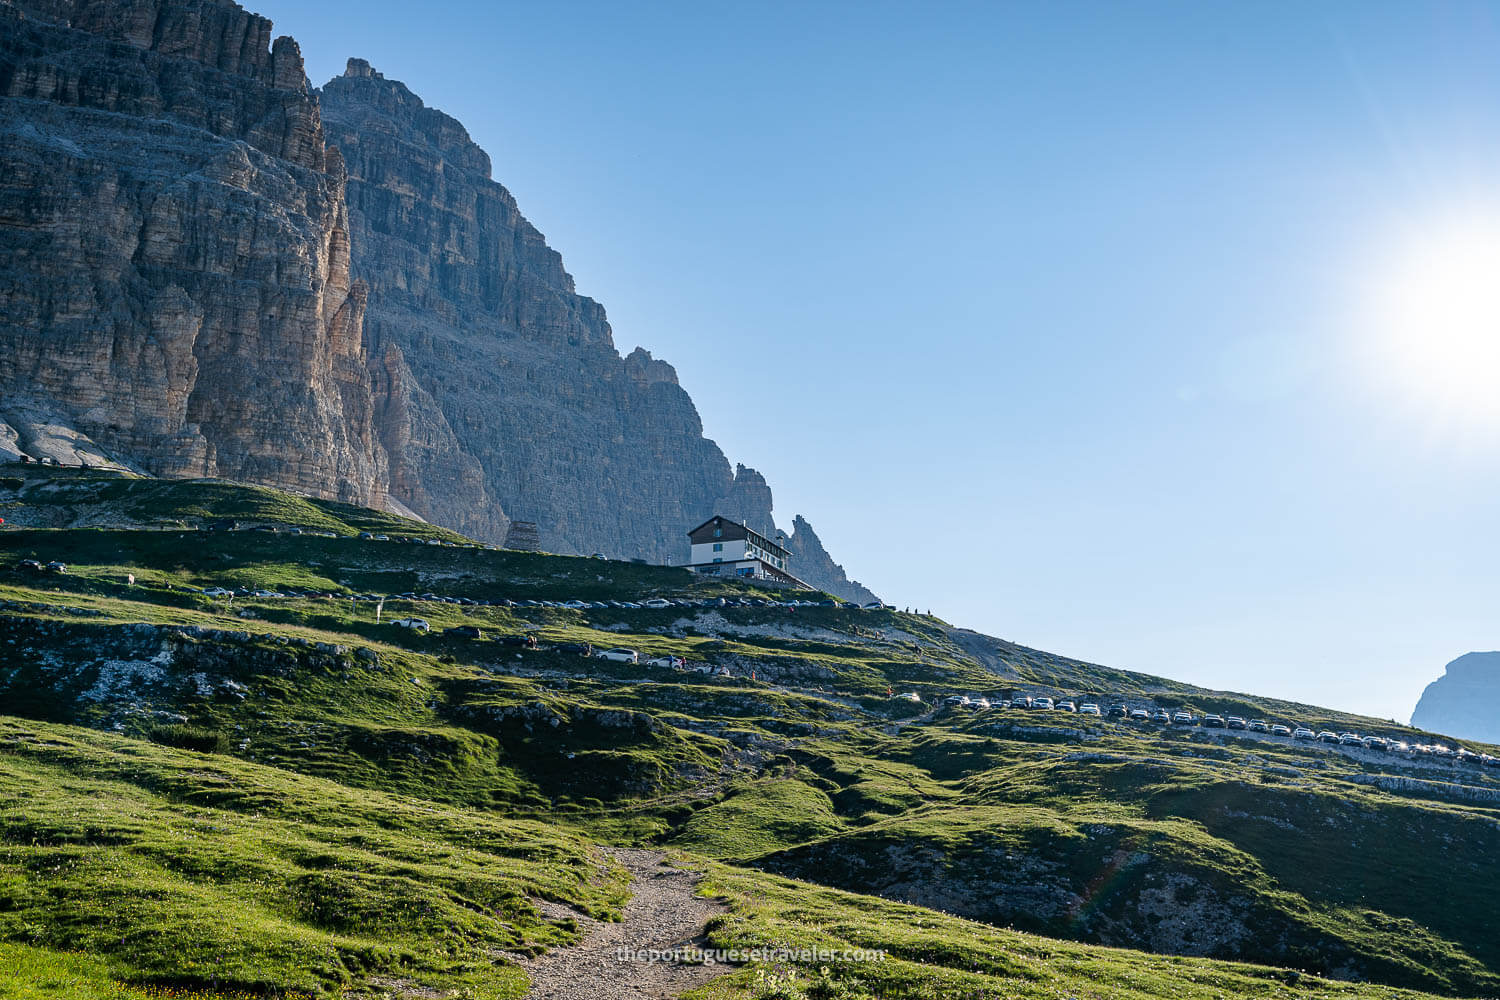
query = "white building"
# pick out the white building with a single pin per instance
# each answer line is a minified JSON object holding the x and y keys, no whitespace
{"x":730,"y":548}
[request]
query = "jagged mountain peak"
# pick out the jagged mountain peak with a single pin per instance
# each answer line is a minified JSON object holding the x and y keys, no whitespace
{"x":319,"y":290}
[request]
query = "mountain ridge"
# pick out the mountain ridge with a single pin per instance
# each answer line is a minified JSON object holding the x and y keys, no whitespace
{"x":319,"y":290}
{"x":1462,"y":700}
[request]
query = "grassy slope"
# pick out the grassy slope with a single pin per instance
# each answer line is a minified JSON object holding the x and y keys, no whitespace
{"x":199,"y":869}
{"x":793,"y":771}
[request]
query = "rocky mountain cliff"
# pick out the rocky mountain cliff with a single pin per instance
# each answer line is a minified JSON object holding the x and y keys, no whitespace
{"x":499,"y":380}
{"x":195,"y":284}
{"x":1462,"y":701}
{"x":175,"y":278}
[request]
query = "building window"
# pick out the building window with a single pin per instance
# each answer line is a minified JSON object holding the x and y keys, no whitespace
{"x":718,"y":560}
{"x":718,"y":532}
{"x":718,"y":546}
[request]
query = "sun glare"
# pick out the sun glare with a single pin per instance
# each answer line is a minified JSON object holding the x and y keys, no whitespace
{"x":1433,"y":322}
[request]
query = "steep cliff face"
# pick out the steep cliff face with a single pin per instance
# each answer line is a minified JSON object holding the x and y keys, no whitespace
{"x":175,"y":279}
{"x":1462,"y":701}
{"x":817,"y":567}
{"x":183,"y":290}
{"x":497,"y":379}
{"x":503,"y":384}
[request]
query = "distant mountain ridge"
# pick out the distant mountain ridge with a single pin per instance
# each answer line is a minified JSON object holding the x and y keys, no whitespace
{"x":199,"y":286}
{"x":1464,"y":700}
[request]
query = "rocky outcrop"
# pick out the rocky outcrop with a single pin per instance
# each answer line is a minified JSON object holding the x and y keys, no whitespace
{"x":175,"y":285}
{"x":1462,"y":702}
{"x":816,"y":566}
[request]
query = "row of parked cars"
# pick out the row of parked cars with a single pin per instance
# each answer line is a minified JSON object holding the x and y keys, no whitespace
{"x":1182,"y":717}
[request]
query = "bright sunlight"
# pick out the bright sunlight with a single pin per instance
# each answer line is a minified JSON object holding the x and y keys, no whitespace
{"x":1434,"y":319}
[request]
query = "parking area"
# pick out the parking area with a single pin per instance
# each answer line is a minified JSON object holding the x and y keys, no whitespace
{"x":1283,"y":731}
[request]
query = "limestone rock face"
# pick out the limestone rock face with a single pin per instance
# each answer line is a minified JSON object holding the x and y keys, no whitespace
{"x":1464,"y":701}
{"x":192,"y":283}
{"x":499,"y":386}
{"x":816,"y":566}
{"x":502,"y":369}
{"x":175,"y":283}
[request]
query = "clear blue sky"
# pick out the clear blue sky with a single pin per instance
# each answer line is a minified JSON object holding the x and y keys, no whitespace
{"x":1070,"y":315}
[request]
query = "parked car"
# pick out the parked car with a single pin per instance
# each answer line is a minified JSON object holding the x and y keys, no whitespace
{"x":415,"y":624}
{"x":218,"y":592}
{"x":1118,"y":712}
{"x":57,"y":567}
{"x":1161,"y":717}
{"x":1280,"y":730}
{"x":1139,"y":715}
{"x":619,"y":655}
{"x":464,"y":632}
{"x":575,"y":649}
{"x":1259,"y":726}
{"x":1234,"y":722}
{"x":1212,"y":721}
{"x":29,"y":566}
{"x":1376,"y":743}
{"x":1350,"y":740}
{"x":956,"y":700}
{"x":1024,"y":701}
{"x":980,"y":702}
{"x":1326,"y":737}
{"x":911,"y":696}
{"x":1043,"y":703}
{"x":575,"y":605}
{"x":1066,"y":706}
{"x":1183,"y":718}
{"x":524,"y":641}
{"x":658,"y":603}
{"x":1399,"y":746}
{"x":1088,"y":709}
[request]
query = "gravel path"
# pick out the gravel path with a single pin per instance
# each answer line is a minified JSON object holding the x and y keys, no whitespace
{"x":663,"y":913}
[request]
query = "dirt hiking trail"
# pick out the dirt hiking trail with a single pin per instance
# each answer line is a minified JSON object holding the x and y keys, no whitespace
{"x":663,"y":913}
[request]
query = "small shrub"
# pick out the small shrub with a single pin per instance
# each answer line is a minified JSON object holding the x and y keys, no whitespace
{"x":185,"y":737}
